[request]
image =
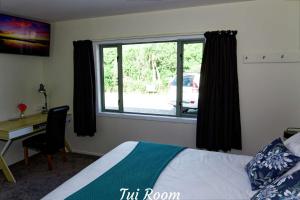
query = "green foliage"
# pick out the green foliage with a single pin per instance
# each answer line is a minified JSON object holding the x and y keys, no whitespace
{"x":192,"y":57}
{"x":148,"y":65}
{"x":110,"y":69}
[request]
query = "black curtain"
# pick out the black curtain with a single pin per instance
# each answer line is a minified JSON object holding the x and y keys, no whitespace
{"x":218,"y":122}
{"x":84,"y":89}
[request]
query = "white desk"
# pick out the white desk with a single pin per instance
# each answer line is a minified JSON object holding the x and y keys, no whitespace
{"x":18,"y":128}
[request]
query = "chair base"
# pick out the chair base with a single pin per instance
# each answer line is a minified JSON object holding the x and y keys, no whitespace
{"x":49,"y":157}
{"x":49,"y":160}
{"x":63,"y":154}
{"x":26,"y":155}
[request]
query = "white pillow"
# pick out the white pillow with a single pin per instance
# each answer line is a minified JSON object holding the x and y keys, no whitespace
{"x":293,"y":144}
{"x":294,"y":169}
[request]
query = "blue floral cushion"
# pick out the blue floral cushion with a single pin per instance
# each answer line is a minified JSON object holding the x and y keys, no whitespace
{"x":269,"y":164}
{"x":285,"y":188}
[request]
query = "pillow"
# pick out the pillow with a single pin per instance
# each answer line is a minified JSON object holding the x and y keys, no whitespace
{"x":287,"y":187}
{"x":296,"y":168}
{"x":259,"y":156}
{"x":293,"y":144}
{"x":269,"y":164}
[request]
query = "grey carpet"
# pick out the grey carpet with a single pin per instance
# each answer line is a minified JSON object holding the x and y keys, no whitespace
{"x":35,"y":181}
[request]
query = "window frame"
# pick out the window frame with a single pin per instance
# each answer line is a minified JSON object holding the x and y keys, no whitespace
{"x":180,"y":40}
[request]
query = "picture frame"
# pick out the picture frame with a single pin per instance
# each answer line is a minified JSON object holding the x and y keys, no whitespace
{"x":24,"y":36}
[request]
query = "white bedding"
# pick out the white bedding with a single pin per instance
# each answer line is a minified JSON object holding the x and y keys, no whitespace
{"x":196,"y":174}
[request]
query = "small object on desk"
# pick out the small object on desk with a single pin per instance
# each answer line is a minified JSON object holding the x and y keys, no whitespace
{"x":40,"y":126}
{"x":22,"y":108}
{"x":289,"y":132}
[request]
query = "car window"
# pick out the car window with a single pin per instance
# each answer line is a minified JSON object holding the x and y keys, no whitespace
{"x":174,"y":82}
{"x":187,"y":81}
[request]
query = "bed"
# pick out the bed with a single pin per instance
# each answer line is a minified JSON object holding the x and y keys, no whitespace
{"x":196,"y":174}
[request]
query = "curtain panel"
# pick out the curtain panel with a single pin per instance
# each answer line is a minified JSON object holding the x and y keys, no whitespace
{"x":218,"y":120}
{"x":84,"y":100}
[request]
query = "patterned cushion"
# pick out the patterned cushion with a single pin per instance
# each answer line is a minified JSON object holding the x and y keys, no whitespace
{"x":270,"y":163}
{"x":287,"y":187}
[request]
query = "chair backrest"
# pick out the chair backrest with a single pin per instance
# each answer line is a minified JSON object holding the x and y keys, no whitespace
{"x":55,"y":130}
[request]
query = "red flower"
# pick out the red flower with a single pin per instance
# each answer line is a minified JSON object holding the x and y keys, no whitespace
{"x":22,"y":107}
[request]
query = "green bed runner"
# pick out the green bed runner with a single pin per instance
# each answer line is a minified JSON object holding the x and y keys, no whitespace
{"x":137,"y":172}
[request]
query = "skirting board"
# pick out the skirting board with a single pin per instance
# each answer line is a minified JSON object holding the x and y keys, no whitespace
{"x":87,"y":152}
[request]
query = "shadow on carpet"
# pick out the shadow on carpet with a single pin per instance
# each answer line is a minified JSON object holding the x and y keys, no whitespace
{"x":35,"y":181}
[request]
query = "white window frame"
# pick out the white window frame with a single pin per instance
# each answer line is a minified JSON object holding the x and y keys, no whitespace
{"x":181,"y":40}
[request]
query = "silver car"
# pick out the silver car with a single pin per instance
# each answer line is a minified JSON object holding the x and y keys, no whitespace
{"x":190,"y":91}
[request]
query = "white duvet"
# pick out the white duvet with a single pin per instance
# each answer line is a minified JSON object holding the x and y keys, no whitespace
{"x":195,"y":174}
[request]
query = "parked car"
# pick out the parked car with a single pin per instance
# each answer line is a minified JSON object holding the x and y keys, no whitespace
{"x":190,"y":91}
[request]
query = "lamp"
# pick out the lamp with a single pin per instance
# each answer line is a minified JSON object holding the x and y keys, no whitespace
{"x":43,"y":91}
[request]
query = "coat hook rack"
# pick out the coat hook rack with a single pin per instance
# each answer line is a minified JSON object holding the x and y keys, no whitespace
{"x":288,"y":57}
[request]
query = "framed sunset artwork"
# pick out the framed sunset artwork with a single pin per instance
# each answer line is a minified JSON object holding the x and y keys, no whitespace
{"x":23,"y":36}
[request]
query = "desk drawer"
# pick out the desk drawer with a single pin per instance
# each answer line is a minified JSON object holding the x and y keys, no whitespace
{"x":20,"y":132}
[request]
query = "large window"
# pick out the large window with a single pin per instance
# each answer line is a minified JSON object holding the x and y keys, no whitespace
{"x":157,"y":78}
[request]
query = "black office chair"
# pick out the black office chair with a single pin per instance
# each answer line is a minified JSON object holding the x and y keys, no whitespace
{"x":53,"y":140}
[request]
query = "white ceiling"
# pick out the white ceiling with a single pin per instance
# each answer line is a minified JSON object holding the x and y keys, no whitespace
{"x":57,"y":10}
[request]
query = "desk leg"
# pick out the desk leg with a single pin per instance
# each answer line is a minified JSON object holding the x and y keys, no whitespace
{"x":3,"y":165}
{"x":7,"y":173}
{"x":67,"y":146}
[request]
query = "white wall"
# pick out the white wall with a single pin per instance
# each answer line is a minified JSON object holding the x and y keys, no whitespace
{"x":269,"y":93}
{"x":20,"y":77}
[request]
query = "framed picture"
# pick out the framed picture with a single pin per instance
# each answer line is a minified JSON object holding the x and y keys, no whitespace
{"x":23,"y":36}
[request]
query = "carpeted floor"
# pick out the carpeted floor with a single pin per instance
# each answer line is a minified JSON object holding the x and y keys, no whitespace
{"x":35,"y":181}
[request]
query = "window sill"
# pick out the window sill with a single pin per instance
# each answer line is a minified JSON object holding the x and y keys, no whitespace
{"x":183,"y":120}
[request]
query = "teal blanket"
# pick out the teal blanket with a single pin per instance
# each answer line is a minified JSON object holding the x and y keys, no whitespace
{"x":136,"y":172}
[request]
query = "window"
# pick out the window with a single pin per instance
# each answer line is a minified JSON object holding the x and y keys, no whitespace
{"x":151,"y":77}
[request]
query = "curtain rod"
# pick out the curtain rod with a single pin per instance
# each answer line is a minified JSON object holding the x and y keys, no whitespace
{"x":150,"y":36}
{"x":155,"y":36}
